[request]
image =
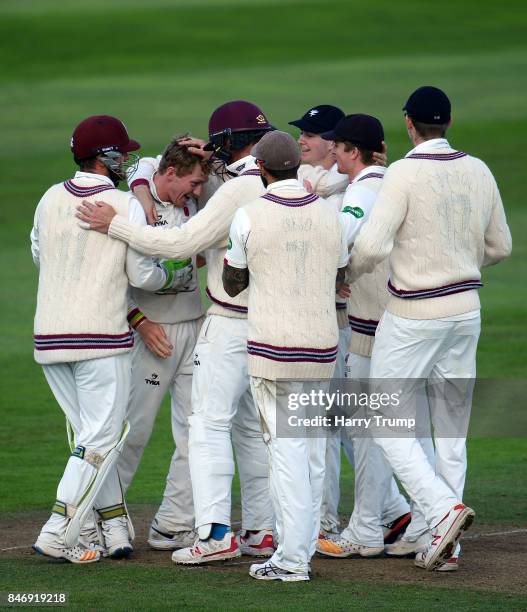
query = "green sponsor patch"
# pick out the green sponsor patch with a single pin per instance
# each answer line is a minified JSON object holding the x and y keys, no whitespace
{"x":354,"y":210}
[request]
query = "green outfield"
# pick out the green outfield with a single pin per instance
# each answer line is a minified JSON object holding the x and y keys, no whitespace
{"x":163,"y":66}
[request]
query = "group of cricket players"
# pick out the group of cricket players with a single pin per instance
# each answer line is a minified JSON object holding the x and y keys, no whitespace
{"x":322,"y":263}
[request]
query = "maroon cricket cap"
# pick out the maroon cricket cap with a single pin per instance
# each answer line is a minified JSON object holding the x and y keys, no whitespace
{"x":237,"y":116}
{"x":101,"y":133}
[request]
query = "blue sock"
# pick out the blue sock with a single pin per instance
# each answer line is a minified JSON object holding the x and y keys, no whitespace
{"x":218,"y":531}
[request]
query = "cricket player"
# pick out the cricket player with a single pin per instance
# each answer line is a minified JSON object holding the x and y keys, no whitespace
{"x":439,"y":218}
{"x":167,"y":326}
{"x":378,"y":501}
{"x":220,"y":387}
{"x":83,"y":341}
{"x":287,"y":247}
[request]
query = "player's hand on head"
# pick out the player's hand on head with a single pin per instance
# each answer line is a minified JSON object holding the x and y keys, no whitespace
{"x":381,"y":159}
{"x":155,"y":338}
{"x":96,"y":216}
{"x":196,"y":146}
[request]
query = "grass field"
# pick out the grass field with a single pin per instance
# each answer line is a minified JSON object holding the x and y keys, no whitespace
{"x":163,"y":66}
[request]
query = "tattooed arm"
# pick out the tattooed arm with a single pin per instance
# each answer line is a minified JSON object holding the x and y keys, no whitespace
{"x":235,"y":280}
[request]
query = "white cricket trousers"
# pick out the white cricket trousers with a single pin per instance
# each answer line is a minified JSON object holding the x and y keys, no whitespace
{"x":329,"y":511}
{"x":378,"y":500}
{"x":221,"y":400}
{"x":433,"y":350}
{"x":93,"y":395}
{"x":152,"y":377}
{"x":296,"y":467}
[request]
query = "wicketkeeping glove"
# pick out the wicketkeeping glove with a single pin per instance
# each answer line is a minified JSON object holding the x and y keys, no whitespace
{"x":179,"y":275}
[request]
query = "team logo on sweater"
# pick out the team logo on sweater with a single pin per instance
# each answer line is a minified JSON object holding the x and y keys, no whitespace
{"x":160,"y":221}
{"x":354,"y":210}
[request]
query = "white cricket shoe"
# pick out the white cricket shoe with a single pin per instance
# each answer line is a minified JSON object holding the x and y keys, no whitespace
{"x":75,"y":554}
{"x":259,"y":544}
{"x":270,"y":571}
{"x":450,"y":565}
{"x":207,"y":551}
{"x":445,"y":536}
{"x":89,"y":538}
{"x":341,"y":547}
{"x":116,"y":537}
{"x":325,"y":534}
{"x":162,"y":540}
{"x":407,"y":548}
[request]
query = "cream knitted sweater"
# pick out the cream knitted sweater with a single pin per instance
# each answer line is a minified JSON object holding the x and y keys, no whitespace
{"x":208,"y":230}
{"x":81,"y":302}
{"x":293,"y":250}
{"x":439,"y":218}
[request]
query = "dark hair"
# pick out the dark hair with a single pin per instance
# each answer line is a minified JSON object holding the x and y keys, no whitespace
{"x":85,"y":165}
{"x":430,"y":130}
{"x":366,"y":156}
{"x":177,"y":156}
{"x":283,"y":175}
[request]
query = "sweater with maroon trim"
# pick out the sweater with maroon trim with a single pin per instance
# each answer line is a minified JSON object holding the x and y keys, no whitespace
{"x":439,"y":218}
{"x":81,"y":302}
{"x":293,"y":251}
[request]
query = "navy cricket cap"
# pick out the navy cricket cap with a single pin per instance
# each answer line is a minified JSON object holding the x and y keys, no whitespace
{"x":428,"y":105}
{"x":361,"y":130}
{"x":319,"y":119}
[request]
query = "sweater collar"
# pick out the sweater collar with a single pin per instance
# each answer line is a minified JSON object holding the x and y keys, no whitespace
{"x":435,"y":144}
{"x":96,"y":177}
{"x":368,"y":170}
{"x":289,"y":184}
{"x":242,"y":165}
{"x":153,"y":191}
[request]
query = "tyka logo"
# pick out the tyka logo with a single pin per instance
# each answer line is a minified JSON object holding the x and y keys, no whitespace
{"x":196,"y":359}
{"x":153,"y":380}
{"x":160,"y":220}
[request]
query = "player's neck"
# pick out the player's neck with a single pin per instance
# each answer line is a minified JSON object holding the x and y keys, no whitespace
{"x":326,"y":162}
{"x":357,"y":168}
{"x":161,"y":187}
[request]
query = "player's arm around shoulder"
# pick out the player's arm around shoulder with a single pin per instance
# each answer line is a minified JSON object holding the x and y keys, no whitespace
{"x":235,"y":275}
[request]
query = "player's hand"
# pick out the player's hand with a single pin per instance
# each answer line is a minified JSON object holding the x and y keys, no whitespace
{"x":308,"y":186}
{"x":142,"y":193}
{"x":96,"y":216}
{"x":200,"y":261}
{"x":344,"y":291}
{"x":155,"y":338}
{"x":196,"y":146}
{"x":381,"y":159}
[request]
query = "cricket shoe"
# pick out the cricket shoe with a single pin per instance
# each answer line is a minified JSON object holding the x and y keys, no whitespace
{"x":341,"y":547}
{"x":256,"y":544}
{"x":325,"y":534}
{"x":207,"y":551}
{"x":408,"y":548}
{"x":396,"y":528}
{"x":162,"y":540}
{"x":270,"y":571}
{"x":116,"y":537}
{"x":445,"y":536}
{"x":90,"y":539}
{"x":450,"y":565}
{"x":75,"y":554}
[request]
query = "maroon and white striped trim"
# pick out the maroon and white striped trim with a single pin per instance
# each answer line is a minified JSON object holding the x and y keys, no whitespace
{"x":370,"y":175}
{"x":137,"y":182}
{"x":420,"y":294}
{"x":234,"y":307}
{"x":292,"y":354}
{"x":55,"y":342}
{"x":438,"y":156}
{"x":84,"y":192}
{"x":254,"y":172}
{"x":367,"y":327}
{"x":307,"y":199}
{"x":341,"y":305}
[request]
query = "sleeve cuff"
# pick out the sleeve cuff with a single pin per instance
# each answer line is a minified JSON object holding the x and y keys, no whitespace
{"x":234,"y":264}
{"x":121,"y":228}
{"x":137,"y":182}
{"x":135,"y":318}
